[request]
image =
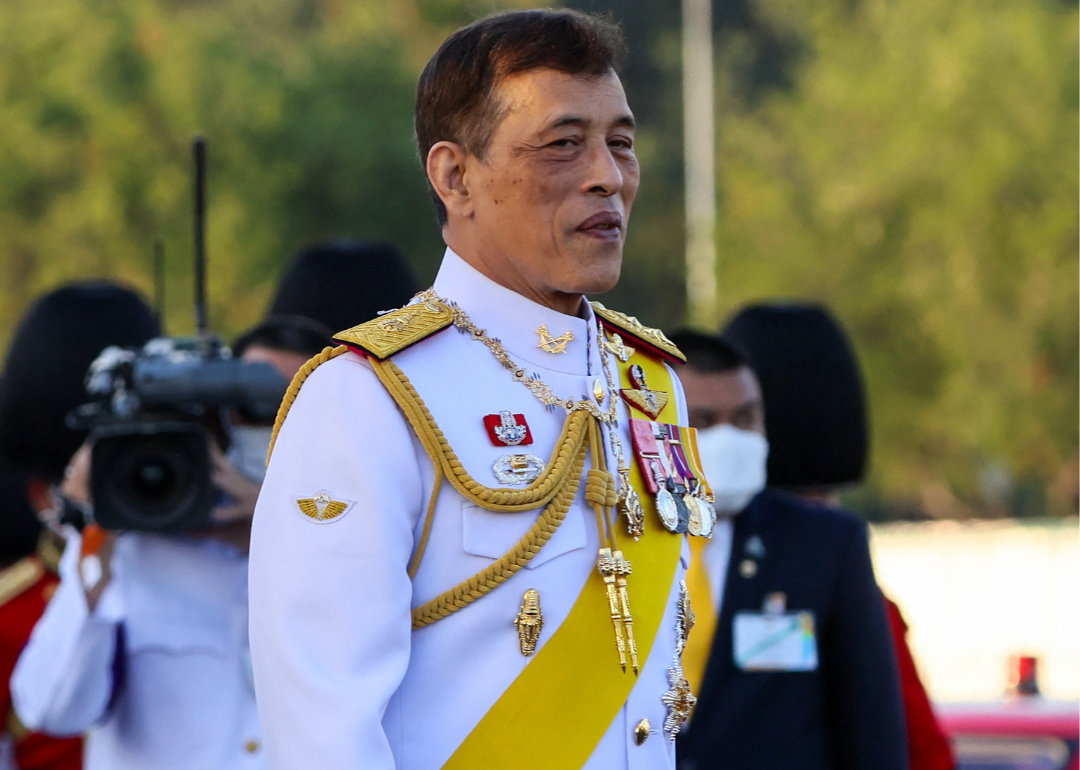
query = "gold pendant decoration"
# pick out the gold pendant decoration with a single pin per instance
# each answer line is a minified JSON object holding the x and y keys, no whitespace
{"x":618,"y":349}
{"x":599,"y":391}
{"x":322,"y":507}
{"x":679,"y":700}
{"x":614,"y":568}
{"x":529,"y":622}
{"x":551,"y":344}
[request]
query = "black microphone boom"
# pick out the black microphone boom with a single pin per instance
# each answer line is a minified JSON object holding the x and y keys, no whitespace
{"x":199,"y":148}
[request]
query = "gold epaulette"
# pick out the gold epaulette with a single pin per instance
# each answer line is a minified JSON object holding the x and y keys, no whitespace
{"x":19,"y":578}
{"x":392,"y":332}
{"x":627,"y":325}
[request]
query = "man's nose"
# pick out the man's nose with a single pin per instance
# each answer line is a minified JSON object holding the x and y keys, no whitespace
{"x":605,"y":176}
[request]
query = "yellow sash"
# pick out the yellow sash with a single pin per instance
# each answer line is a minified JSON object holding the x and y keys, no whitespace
{"x":574,"y":687}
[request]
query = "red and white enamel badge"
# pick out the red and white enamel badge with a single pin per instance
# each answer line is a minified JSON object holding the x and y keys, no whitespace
{"x":506,"y":429}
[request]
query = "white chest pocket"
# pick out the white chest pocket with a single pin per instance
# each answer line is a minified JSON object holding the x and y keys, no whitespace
{"x":491,"y":534}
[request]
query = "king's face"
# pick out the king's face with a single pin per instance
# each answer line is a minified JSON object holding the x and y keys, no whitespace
{"x":556,"y":185}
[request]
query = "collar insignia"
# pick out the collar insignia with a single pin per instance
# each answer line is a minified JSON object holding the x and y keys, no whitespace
{"x":551,"y":344}
{"x":323,"y":508}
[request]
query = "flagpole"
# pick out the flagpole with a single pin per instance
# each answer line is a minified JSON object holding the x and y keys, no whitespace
{"x":699,"y":161}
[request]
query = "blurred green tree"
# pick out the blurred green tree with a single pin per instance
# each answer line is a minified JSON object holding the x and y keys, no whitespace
{"x":920,"y":177}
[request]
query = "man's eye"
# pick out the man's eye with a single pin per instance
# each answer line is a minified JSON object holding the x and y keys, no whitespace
{"x":622,"y":144}
{"x":568,"y":142}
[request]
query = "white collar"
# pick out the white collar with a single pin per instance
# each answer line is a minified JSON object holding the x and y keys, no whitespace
{"x":514,"y":319}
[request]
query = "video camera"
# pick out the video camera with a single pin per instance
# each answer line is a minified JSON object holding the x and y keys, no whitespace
{"x":150,"y":462}
{"x":152,"y":409}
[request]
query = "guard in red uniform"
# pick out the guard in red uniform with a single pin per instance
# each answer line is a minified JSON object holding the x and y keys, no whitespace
{"x":38,"y":390}
{"x":26,"y":585}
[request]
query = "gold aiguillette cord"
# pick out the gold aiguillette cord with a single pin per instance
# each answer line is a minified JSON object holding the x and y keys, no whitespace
{"x":613,"y":566}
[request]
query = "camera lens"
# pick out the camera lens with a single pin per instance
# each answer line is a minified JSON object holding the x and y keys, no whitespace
{"x":153,"y":480}
{"x":151,"y":476}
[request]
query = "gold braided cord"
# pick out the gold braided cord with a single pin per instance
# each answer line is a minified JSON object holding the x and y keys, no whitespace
{"x":294,"y":388}
{"x":501,"y":499}
{"x":414,"y":563}
{"x":485,"y":581}
{"x":555,"y":488}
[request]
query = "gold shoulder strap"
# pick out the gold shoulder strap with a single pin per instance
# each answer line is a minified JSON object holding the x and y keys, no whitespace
{"x":654,"y":340}
{"x":392,"y":332}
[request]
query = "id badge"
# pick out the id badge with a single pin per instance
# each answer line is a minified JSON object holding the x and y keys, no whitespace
{"x":775,"y":641}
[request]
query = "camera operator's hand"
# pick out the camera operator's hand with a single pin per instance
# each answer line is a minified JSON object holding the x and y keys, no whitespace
{"x":97,"y":546}
{"x":232,"y":521}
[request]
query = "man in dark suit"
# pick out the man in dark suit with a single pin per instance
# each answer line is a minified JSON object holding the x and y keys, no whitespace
{"x":831,"y":702}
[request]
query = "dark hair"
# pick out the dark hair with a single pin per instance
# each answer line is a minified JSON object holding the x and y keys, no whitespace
{"x":293,"y":333}
{"x":708,"y":353}
{"x":812,"y":390}
{"x":45,"y":372}
{"x":342,"y":283}
{"x":455,"y":96}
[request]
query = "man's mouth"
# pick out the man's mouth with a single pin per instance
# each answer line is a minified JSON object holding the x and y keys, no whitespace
{"x":604,"y":226}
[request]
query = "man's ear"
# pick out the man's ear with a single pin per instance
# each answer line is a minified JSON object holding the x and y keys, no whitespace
{"x":446,"y":172}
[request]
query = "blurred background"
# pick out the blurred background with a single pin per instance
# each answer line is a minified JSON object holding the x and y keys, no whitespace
{"x":911,"y":164}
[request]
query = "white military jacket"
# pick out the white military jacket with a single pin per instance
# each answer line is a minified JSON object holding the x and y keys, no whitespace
{"x":343,"y":682}
{"x":159,"y":673}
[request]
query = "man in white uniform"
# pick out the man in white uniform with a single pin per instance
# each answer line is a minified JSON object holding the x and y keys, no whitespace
{"x":442,"y":549}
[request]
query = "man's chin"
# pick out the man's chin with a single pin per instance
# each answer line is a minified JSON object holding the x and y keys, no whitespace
{"x":596,"y":281}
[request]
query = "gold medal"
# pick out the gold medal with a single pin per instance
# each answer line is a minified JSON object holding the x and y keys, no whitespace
{"x":696,"y":523}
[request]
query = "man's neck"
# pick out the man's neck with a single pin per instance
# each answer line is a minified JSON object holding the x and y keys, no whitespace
{"x":561,"y":302}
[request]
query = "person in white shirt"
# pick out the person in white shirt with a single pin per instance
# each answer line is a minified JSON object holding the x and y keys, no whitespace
{"x":149,"y":656}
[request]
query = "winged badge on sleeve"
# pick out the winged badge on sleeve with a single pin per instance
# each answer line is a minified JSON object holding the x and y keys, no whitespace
{"x":323,"y":507}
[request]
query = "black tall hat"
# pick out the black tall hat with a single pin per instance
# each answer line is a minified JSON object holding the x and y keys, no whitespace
{"x":44,"y":375}
{"x":344,"y":283}
{"x":815,"y":405}
{"x":19,"y":525}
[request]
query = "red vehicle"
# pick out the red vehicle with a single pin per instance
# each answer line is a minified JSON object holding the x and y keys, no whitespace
{"x":1022,"y":732}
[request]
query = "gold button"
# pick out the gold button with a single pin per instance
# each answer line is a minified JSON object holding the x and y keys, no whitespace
{"x":251,"y":746}
{"x":748,"y":568}
{"x":641,"y":732}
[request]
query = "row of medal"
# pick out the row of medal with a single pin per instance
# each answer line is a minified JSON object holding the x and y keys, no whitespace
{"x":667,"y":457}
{"x":666,"y":454}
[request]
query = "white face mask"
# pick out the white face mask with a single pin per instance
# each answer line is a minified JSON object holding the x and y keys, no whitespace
{"x":734,"y":464}
{"x":250,"y":443}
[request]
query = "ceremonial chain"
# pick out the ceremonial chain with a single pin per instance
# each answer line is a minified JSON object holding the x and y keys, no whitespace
{"x":538,"y":387}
